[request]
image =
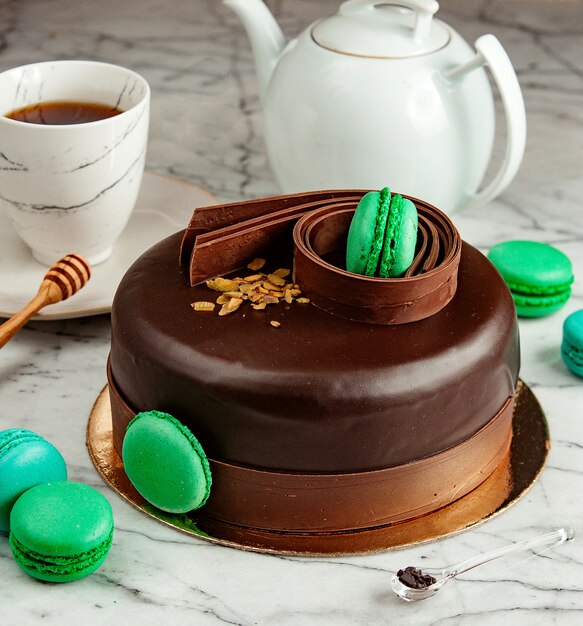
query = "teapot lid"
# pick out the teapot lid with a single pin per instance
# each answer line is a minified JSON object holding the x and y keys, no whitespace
{"x":380,"y":29}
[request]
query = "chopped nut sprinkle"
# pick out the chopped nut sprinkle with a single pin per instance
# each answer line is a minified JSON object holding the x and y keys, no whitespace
{"x":275,"y":279}
{"x":222,"y":284}
{"x":256,"y":264}
{"x":259,"y":290}
{"x":234,"y":303}
{"x":201,"y":305}
{"x":253,"y":278}
{"x":229,"y":308}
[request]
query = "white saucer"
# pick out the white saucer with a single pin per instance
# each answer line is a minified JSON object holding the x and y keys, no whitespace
{"x":164,"y":206}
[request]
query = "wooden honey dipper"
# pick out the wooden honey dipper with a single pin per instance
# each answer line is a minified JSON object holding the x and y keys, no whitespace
{"x":63,"y":280}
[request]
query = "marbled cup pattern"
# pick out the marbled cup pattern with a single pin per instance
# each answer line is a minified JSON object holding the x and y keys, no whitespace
{"x":72,"y":188}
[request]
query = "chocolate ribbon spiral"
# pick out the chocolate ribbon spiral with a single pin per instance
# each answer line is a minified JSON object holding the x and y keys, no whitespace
{"x":224,"y":238}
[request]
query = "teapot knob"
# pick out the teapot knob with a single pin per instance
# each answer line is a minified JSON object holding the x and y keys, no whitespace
{"x":424,"y":12}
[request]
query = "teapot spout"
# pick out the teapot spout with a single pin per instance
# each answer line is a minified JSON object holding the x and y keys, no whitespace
{"x":267,"y":39}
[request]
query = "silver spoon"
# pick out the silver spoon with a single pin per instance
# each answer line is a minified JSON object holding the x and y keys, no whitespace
{"x":429,"y":581}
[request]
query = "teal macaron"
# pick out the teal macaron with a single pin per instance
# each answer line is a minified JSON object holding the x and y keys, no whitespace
{"x":26,"y":460}
{"x":539,"y":275}
{"x":382,"y":235}
{"x":61,"y":531}
{"x":166,"y":463}
{"x":572,"y":345}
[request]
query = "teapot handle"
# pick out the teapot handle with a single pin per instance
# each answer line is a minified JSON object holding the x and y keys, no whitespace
{"x":424,"y":12}
{"x":492,"y":54}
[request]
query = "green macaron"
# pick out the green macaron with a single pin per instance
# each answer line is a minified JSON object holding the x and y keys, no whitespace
{"x":572,"y":344}
{"x":539,"y":276}
{"x":382,"y":235}
{"x":61,"y":531}
{"x":26,"y":460}
{"x":166,"y":463}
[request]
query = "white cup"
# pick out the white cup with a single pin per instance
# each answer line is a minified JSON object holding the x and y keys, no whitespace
{"x":72,"y":188}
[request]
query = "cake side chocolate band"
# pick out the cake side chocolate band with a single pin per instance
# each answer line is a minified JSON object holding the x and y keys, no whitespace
{"x":312,"y":503}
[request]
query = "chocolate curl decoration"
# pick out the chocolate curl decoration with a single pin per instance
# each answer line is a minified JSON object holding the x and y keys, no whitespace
{"x":217,"y":218}
{"x":224,"y":238}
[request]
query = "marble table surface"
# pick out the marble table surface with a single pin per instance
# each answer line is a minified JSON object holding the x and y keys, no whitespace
{"x":206,"y":129}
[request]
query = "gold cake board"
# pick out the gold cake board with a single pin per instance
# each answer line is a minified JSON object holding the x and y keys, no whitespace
{"x":509,"y":482}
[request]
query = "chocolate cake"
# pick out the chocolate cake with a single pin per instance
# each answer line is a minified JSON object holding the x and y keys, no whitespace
{"x":378,"y":401}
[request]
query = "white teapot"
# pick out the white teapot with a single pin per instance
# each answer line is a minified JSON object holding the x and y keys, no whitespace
{"x":384,"y":94}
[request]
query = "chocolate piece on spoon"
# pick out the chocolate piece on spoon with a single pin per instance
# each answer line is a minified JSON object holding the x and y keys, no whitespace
{"x":415,"y":578}
{"x":63,"y":280}
{"x":412,"y":584}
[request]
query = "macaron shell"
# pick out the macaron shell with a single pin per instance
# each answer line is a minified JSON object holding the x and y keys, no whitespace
{"x":367,"y":232}
{"x":59,"y":569}
{"x":400,"y":238}
{"x":572,"y":345}
{"x":531,"y":267}
{"x":61,"y":531}
{"x":539,"y":306}
{"x":165,"y":463}
{"x":26,"y":460}
{"x":539,"y":276}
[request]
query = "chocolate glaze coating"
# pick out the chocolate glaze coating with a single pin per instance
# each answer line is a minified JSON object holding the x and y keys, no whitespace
{"x":320,"y":393}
